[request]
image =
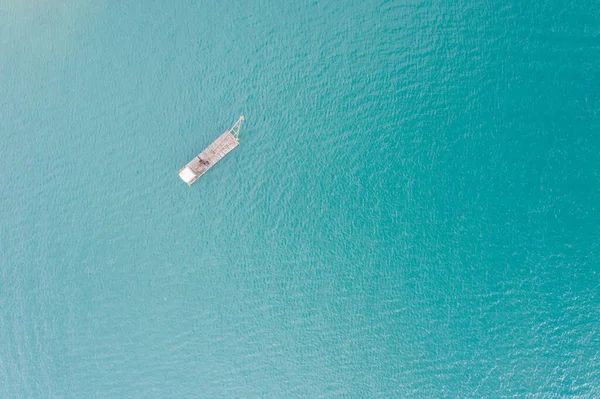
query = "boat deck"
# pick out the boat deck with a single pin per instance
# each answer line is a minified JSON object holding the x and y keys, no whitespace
{"x":208,"y":157}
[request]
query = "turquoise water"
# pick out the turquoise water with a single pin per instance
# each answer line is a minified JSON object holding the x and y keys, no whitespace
{"x":412,"y":212}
